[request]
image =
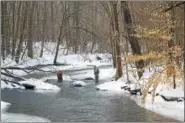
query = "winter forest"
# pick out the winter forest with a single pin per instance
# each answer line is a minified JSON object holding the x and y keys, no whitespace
{"x":92,"y":61}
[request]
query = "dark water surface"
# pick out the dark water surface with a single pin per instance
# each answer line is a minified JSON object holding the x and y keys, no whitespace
{"x":83,"y":104}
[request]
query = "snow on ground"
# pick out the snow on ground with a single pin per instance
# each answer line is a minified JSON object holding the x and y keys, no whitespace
{"x":49,"y":54}
{"x":7,"y":62}
{"x":116,"y":85}
{"x":40,"y":85}
{"x":77,"y":83}
{"x":107,"y":73}
{"x":170,"y":92}
{"x":10,"y":86}
{"x":65,"y":78}
{"x":110,"y":86}
{"x":14,"y":117}
{"x":4,"y":106}
{"x":173,"y":110}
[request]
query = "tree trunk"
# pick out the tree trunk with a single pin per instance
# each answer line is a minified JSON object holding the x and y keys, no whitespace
{"x":13,"y":31}
{"x":117,"y":41}
{"x":6,"y":28}
{"x":44,"y":29}
{"x":19,"y":49}
{"x":171,"y":42}
{"x":63,"y":22}
{"x":112,"y":43}
{"x":76,"y":22}
{"x":16,"y":30}
{"x":3,"y":29}
{"x":136,"y":50}
{"x":52,"y":22}
{"x":30,"y":32}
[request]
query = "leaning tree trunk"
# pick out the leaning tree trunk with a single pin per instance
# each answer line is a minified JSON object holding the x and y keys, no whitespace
{"x":62,"y":25}
{"x":116,"y":37}
{"x":132,"y":40}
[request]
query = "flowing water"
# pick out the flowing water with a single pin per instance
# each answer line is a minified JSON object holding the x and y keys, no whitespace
{"x":82,"y":104}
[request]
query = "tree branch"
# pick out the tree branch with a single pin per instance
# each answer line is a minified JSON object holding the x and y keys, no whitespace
{"x":178,"y":4}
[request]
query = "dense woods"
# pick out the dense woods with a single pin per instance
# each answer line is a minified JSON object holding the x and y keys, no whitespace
{"x":120,"y":28}
{"x":134,"y":50}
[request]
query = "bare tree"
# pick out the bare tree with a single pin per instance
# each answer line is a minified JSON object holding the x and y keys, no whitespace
{"x":132,"y":40}
{"x":116,"y":39}
{"x":13,"y":30}
{"x":30,"y":32}
{"x":3,"y":14}
{"x":23,"y":27}
{"x":76,"y":22}
{"x":171,"y":42}
{"x":65,"y":18}
{"x":44,"y":29}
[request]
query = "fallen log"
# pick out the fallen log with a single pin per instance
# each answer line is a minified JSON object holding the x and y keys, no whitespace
{"x":134,"y":92}
{"x":6,"y":81}
{"x":32,"y":67}
{"x":123,"y":87}
{"x":88,"y":78}
{"x":27,"y":86}
{"x":12,"y":76}
{"x":178,"y":99}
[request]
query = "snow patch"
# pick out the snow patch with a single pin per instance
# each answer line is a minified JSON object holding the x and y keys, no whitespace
{"x":10,"y":85}
{"x":4,"y":106}
{"x":107,"y":73}
{"x":173,"y":110}
{"x":40,"y":85}
{"x":14,"y":117}
{"x":110,"y":86}
{"x":81,"y":83}
{"x":170,"y":92}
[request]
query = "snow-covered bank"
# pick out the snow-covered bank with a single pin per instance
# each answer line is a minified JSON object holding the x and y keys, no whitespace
{"x":40,"y":85}
{"x":72,"y":61}
{"x":172,"y":109}
{"x":110,"y":86}
{"x":14,"y":117}
{"x":10,"y":85}
{"x":4,"y":106}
